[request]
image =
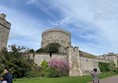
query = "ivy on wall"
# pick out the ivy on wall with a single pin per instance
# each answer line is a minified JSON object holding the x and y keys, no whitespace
{"x":106,"y":67}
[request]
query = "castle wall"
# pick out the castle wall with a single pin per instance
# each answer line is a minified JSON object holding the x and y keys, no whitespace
{"x":4,"y":31}
{"x":39,"y":57}
{"x":88,"y":64}
{"x":80,"y":62}
{"x":112,"y":58}
{"x":78,"y":65}
{"x":74,"y":61}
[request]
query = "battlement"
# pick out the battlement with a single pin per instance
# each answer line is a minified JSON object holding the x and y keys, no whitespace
{"x":56,"y":29}
{"x":3,"y":16}
{"x":3,"y":21}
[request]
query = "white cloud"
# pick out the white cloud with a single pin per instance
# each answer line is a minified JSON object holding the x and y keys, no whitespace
{"x":102,"y":14}
{"x":93,"y":20}
{"x":25,"y":30}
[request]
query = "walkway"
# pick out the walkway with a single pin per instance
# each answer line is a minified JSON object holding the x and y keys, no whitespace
{"x":113,"y":79}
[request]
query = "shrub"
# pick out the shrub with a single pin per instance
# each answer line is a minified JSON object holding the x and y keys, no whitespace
{"x":44,"y":66}
{"x":51,"y":72}
{"x":35,"y":72}
{"x":58,"y":68}
{"x":104,"y":67}
{"x":54,"y":68}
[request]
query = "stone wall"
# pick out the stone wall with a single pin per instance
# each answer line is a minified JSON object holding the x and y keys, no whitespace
{"x":74,"y":61}
{"x":4,"y":31}
{"x":78,"y":65}
{"x":80,"y":62}
{"x":113,"y":58}
{"x":39,"y":57}
{"x":87,"y":64}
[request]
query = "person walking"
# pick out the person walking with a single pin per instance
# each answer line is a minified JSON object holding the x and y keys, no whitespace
{"x":95,"y":75}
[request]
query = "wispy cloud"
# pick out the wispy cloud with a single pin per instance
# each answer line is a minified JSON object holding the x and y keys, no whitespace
{"x":25,"y":29}
{"x":98,"y":16}
{"x":93,"y":24}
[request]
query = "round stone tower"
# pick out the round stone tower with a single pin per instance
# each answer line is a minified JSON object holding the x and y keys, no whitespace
{"x":56,"y":35}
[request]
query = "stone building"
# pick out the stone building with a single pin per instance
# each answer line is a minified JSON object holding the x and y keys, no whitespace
{"x":56,"y":36}
{"x":4,"y":30}
{"x":110,"y":57}
{"x":81,"y":63}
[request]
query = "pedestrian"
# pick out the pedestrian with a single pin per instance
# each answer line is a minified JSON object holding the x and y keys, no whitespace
{"x":95,"y":75}
{"x":2,"y":79}
{"x":7,"y":76}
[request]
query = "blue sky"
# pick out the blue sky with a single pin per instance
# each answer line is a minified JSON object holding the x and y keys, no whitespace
{"x":93,"y":24}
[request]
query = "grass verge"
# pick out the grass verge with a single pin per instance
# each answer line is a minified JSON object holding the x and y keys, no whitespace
{"x":79,"y":79}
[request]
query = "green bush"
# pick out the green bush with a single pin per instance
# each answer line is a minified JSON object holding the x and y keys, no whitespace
{"x":104,"y":67}
{"x":51,"y":72}
{"x":47,"y":71}
{"x":44,"y":66}
{"x":35,"y":72}
{"x":15,"y":60}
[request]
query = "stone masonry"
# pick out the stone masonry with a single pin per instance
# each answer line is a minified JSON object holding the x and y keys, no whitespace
{"x":4,"y":30}
{"x":56,"y":35}
{"x":79,"y":65}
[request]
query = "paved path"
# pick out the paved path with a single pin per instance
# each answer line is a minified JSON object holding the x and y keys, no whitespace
{"x":113,"y":79}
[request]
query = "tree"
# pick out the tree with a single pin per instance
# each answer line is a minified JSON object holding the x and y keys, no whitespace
{"x":32,"y":51}
{"x":52,"y":48}
{"x":15,"y":60}
{"x":41,"y":50}
{"x":4,"y":59}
